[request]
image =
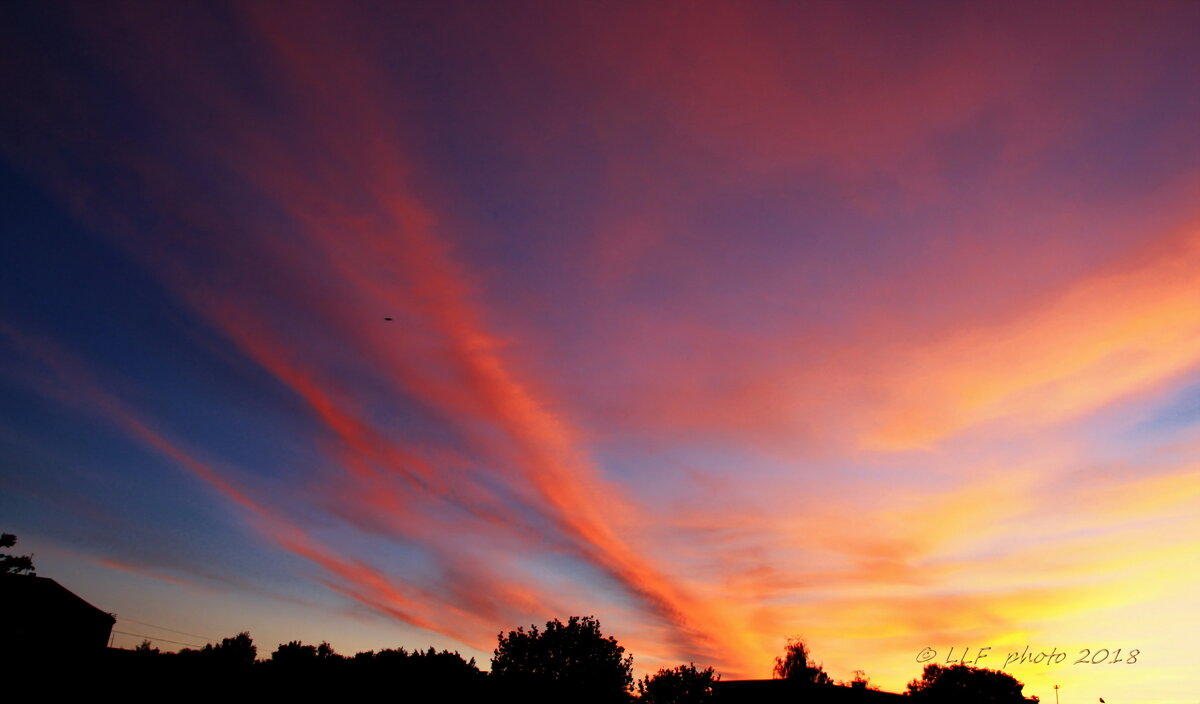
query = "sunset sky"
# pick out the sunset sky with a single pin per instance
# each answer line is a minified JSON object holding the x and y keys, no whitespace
{"x":873,"y":323}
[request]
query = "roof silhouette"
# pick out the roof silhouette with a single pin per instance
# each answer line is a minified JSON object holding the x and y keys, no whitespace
{"x":39,"y":613}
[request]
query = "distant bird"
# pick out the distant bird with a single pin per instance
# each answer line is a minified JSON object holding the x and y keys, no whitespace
{"x":387,"y":318}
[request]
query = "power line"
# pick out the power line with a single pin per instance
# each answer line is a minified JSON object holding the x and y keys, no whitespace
{"x":156,"y":638}
{"x":164,"y":628}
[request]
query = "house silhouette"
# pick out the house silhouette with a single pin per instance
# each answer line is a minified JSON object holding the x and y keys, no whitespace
{"x":40,"y":617}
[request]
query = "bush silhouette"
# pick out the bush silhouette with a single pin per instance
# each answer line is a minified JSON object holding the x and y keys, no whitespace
{"x":860,"y":681}
{"x":964,"y":683}
{"x":678,"y":685}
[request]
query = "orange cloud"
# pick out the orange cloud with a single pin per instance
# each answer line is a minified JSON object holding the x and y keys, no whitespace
{"x":1118,"y":332}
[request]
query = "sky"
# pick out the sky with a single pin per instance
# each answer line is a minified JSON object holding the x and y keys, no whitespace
{"x":405,"y":324}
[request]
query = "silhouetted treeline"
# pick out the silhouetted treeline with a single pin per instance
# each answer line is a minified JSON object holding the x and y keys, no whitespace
{"x":295,"y":669}
{"x":572,"y":662}
{"x":52,"y":643}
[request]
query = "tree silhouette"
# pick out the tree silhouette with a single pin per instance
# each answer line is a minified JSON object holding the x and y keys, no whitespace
{"x":444,"y":665}
{"x":325,"y":652}
{"x":571,"y":661}
{"x":678,"y":685}
{"x":238,"y":651}
{"x":294,"y":653}
{"x":860,"y":681}
{"x":146,"y":648}
{"x":14,"y":564}
{"x":427,"y":675}
{"x":798,"y":666}
{"x":964,"y":683}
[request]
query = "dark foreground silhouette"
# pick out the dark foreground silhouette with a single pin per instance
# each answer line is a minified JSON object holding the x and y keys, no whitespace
{"x":52,"y":645}
{"x":560,"y":671}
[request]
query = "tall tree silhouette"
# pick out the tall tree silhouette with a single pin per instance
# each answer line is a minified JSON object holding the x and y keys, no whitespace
{"x":796,"y":664}
{"x":572,"y":661}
